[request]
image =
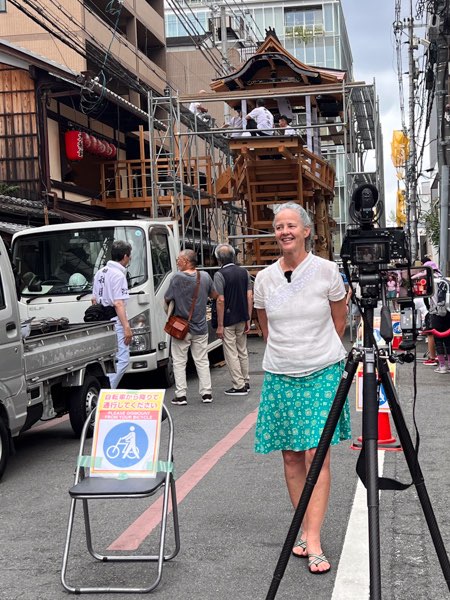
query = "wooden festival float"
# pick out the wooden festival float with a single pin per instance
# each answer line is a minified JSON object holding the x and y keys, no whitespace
{"x":275,"y":169}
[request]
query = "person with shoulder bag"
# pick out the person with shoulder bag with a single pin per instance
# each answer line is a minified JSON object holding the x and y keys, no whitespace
{"x":190,"y":289}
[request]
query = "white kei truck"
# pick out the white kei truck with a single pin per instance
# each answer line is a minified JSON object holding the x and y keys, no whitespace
{"x":46,"y":375}
{"x":57,"y":264}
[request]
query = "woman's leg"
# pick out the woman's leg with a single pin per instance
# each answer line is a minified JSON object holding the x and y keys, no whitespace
{"x":295,"y":475}
{"x":317,"y":508}
{"x":296,"y":466}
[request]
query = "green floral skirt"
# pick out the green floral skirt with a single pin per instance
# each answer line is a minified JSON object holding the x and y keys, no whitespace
{"x":293,"y":410}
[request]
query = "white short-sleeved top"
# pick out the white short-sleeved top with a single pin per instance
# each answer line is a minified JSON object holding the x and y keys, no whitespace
{"x":263,"y":118}
{"x":302,"y":337}
{"x":110,"y":283}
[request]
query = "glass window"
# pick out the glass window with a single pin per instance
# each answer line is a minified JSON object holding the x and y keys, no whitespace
{"x":278,"y":20}
{"x":309,"y":53}
{"x":259,"y":19}
{"x":309,"y":17}
{"x":171,"y":25}
{"x":65,"y":262}
{"x":329,"y":53}
{"x":2,"y":5}
{"x":159,"y":247}
{"x":289,"y":18}
{"x":328,"y":10}
{"x":268,"y":17}
{"x":320,"y":55}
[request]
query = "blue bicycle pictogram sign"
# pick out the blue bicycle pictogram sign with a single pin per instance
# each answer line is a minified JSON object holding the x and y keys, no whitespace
{"x":125,"y":444}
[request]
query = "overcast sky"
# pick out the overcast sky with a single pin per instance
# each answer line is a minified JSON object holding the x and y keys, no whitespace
{"x":369,"y":27}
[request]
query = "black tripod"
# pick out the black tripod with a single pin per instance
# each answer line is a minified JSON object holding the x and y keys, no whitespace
{"x":369,"y":456}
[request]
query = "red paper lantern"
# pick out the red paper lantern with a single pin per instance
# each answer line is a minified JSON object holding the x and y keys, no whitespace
{"x":74,"y":145}
{"x":101,"y":148}
{"x":108,"y":150}
{"x":113,"y":150}
{"x":94,"y":145}
{"x":87,"y":142}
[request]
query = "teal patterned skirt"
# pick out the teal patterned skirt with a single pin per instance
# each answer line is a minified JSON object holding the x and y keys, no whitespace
{"x":293,"y":410}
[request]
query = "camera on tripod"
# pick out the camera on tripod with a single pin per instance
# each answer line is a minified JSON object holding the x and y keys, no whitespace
{"x":378,"y":255}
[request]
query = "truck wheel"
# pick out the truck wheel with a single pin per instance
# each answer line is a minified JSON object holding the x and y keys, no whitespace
{"x":166,"y":376}
{"x":81,"y":401}
{"x":4,"y":446}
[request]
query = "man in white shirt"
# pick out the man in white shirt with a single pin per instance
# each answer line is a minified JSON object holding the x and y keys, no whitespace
{"x":110,"y":288}
{"x":200,"y":111}
{"x":263,"y":118}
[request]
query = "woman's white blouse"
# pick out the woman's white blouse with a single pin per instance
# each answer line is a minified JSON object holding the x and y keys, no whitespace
{"x":302,"y":337}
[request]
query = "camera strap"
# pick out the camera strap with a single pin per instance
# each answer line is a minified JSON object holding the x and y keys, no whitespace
{"x":384,"y":483}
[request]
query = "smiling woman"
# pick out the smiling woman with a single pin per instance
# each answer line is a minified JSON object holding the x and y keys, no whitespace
{"x":302,"y":317}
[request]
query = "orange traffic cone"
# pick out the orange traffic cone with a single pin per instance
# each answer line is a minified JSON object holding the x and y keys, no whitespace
{"x":385,"y":439}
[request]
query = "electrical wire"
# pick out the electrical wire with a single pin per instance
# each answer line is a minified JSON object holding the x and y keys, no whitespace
{"x":194,"y":35}
{"x":250,"y":13}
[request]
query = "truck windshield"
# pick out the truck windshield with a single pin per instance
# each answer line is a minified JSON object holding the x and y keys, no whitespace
{"x":65,"y":262}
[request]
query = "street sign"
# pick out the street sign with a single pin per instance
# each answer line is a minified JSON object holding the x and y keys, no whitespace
{"x":126,"y":433}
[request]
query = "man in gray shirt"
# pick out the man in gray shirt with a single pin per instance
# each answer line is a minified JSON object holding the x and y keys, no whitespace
{"x":181,"y":290}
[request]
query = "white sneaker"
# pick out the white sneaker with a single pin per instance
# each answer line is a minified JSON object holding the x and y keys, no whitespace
{"x":441,"y":370}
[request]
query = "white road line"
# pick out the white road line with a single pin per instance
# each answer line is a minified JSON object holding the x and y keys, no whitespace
{"x":352,"y":577}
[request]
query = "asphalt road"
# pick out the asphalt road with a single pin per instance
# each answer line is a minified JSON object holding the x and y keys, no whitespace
{"x":235,"y":518}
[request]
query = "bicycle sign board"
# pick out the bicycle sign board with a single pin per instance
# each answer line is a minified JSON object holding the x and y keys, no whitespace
{"x":126,"y":434}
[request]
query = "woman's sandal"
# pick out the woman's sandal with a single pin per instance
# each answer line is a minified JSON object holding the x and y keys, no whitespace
{"x":316,"y":560}
{"x":300,"y":544}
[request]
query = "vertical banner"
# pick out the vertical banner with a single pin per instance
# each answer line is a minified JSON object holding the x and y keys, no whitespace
{"x":126,"y":434}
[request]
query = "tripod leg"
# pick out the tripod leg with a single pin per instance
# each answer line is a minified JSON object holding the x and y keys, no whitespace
{"x":414,"y":469}
{"x":370,"y":445}
{"x":314,"y":471}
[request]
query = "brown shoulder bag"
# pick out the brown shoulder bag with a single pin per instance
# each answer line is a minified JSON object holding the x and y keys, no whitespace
{"x":178,"y":327}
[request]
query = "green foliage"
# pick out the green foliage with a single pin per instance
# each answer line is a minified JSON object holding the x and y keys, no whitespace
{"x":6,"y":189}
{"x":304,"y":32}
{"x":433,"y":226}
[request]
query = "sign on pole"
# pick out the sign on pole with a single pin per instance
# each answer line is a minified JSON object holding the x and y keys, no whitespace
{"x":126,"y":433}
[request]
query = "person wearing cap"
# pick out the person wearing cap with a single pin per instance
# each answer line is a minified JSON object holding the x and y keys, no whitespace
{"x":283,"y":122}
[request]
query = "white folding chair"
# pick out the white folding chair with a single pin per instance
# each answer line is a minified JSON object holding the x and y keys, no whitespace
{"x":88,"y":489}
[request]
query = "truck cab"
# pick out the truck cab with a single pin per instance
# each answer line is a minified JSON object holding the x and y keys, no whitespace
{"x":57,"y":264}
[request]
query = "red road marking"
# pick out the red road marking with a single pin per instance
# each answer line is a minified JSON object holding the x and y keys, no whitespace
{"x":136,"y":533}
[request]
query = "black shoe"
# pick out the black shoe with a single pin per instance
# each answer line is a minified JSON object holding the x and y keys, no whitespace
{"x":247,"y":387}
{"x":181,"y":401}
{"x":234,"y":392}
{"x":207,"y":399}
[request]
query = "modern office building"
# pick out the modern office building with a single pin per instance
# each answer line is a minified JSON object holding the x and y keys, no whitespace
{"x":123,"y":41}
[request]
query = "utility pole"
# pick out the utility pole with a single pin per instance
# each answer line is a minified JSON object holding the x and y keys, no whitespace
{"x":443,"y":131}
{"x":412,"y":173}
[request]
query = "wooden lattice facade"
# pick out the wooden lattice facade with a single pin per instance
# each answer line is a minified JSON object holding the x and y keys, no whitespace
{"x":19,"y":164}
